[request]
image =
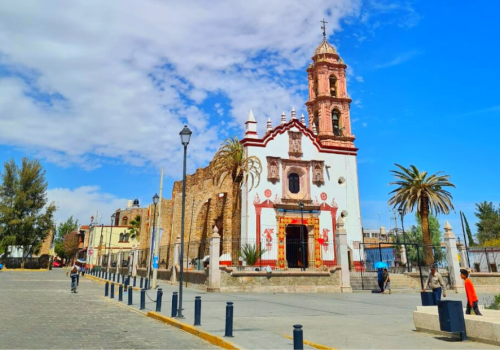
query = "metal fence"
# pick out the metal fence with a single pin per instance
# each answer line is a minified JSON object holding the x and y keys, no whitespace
{"x":484,"y":259}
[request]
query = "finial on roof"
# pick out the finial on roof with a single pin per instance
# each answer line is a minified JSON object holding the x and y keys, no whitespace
{"x":294,"y":115}
{"x":303,"y":119}
{"x":324,"y":28}
{"x":269,"y":126}
{"x":251,"y":118}
{"x":283,"y":118}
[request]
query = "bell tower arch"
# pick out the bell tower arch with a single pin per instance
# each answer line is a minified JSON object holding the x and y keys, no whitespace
{"x":328,"y":106}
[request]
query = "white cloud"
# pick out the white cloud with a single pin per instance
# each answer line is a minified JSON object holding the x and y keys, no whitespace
{"x":404,"y":57}
{"x":90,"y":80}
{"x":360,"y":79}
{"x":364,"y":124}
{"x":84,"y":202}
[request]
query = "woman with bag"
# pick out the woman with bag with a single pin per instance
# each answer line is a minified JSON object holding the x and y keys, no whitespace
{"x":74,"y":278}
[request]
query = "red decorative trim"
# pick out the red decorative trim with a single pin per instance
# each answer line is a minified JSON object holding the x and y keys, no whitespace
{"x":264,"y":263}
{"x":251,"y":133}
{"x":225,"y":263}
{"x":333,"y":211}
{"x":281,"y":129}
{"x":258,"y":209}
{"x":358,"y":266}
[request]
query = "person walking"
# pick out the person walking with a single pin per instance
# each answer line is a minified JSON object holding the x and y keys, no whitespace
{"x":74,"y":278}
{"x":380,"y":279}
{"x":436,"y":283}
{"x":387,"y":281}
{"x":471,"y":293}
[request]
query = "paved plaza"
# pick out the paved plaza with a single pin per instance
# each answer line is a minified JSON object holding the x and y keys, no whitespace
{"x":37,"y":311}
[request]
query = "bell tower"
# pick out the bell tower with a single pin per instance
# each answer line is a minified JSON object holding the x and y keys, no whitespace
{"x":328,"y":105}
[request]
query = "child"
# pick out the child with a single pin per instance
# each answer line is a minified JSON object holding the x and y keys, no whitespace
{"x":387,"y":281}
{"x":471,"y":293}
{"x":74,"y":278}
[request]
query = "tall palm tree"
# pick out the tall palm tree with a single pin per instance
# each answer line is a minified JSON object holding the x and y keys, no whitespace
{"x":135,"y":230}
{"x":427,"y":193}
{"x":230,"y":160}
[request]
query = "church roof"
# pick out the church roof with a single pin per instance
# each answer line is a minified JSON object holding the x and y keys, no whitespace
{"x":324,"y":47}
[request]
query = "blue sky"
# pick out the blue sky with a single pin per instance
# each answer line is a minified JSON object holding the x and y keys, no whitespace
{"x":100,"y":98}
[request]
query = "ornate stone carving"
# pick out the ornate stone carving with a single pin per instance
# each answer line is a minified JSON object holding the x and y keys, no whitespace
{"x":273,"y":169}
{"x":317,"y":172}
{"x":294,"y":144}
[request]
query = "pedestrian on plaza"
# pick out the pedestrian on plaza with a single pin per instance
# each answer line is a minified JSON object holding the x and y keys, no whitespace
{"x":387,"y":281}
{"x":436,"y":283}
{"x":380,"y":279}
{"x":74,"y":278}
{"x":83,"y":270}
{"x":471,"y":293}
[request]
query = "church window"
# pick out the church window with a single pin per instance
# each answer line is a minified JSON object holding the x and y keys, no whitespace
{"x":316,"y":93}
{"x":125,"y":221}
{"x":336,"y":122}
{"x":294,"y":183}
{"x":121,"y":237}
{"x":333,"y":86}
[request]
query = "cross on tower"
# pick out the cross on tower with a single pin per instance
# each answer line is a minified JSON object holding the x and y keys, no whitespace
{"x":324,"y":28}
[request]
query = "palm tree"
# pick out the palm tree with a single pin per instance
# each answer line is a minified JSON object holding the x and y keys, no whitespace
{"x":135,"y":230}
{"x":416,"y":188}
{"x":230,"y":160}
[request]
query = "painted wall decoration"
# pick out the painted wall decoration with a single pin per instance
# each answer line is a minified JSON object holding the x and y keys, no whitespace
{"x":268,"y":238}
{"x":317,"y":169}
{"x":273,"y":169}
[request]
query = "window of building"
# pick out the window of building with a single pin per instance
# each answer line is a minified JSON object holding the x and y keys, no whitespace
{"x":316,"y":92}
{"x":316,"y":121}
{"x":121,"y":237}
{"x":294,"y":183}
{"x":125,"y":237}
{"x":124,"y":221}
{"x":333,"y":86}
{"x":336,"y":122}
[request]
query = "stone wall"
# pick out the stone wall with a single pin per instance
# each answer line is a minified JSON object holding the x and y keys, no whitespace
{"x":486,"y":282}
{"x":282,"y":281}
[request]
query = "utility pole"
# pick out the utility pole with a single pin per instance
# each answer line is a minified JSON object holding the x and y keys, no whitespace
{"x":157,"y":236}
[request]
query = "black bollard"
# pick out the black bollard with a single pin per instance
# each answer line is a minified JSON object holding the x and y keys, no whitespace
{"x":112,"y":293}
{"x":129,"y":295}
{"x":120,"y":293}
{"x":114,"y":277}
{"x":146,"y":283}
{"x":174,"y":305}
{"x":143,"y":299}
{"x":135,"y":280}
{"x":127,"y":281}
{"x":141,"y":282}
{"x":106,"y":289}
{"x":159,"y":296}
{"x":197,"y":311}
{"x":298,"y":337}
{"x":229,"y":319}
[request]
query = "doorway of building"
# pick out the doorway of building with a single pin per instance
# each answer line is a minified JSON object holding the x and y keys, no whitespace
{"x":294,"y":246}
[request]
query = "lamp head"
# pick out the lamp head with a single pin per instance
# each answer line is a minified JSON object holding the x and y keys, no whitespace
{"x":185,"y":135}
{"x":400,"y":211}
{"x":155,"y":199}
{"x":301,"y":205}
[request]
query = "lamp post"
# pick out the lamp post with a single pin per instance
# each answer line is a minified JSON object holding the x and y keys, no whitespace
{"x":153,"y":237}
{"x":402,"y":214}
{"x":109,"y":244}
{"x":301,"y":206}
{"x":185,"y":137}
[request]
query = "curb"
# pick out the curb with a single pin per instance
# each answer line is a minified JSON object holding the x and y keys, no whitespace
{"x":314,"y":345}
{"x":213,"y":339}
{"x":25,"y":270}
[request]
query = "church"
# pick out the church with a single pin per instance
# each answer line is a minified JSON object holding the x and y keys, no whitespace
{"x":309,"y":176}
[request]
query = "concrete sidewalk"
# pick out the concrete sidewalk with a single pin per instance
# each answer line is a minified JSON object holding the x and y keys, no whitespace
{"x":345,"y":321}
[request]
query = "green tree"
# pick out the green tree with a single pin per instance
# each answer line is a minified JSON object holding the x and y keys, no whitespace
{"x":26,"y":217}
{"x":415,"y":236}
{"x":135,"y":230}
{"x":70,"y":244}
{"x":230,"y":160}
{"x":471,"y":242}
{"x":488,"y":226}
{"x":63,"y":229}
{"x":426,"y":193}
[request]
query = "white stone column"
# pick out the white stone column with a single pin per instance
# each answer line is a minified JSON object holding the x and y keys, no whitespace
{"x":119,"y":261}
{"x":311,"y":252}
{"x":342,"y":257}
{"x":175,"y":261}
{"x":213,"y":266}
{"x":403,"y":254}
{"x":135,"y":258}
{"x":452,"y":258}
{"x":463,"y":256}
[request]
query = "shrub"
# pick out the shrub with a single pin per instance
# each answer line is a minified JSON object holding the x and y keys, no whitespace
{"x":250,"y":253}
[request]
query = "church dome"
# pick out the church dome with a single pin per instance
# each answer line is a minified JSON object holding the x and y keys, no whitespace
{"x":324,"y":47}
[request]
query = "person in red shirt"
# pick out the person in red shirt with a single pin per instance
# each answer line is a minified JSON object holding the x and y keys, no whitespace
{"x":471,"y":293}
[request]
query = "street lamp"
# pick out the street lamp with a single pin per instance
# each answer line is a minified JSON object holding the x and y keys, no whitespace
{"x":185,"y":137}
{"x":402,"y":214}
{"x":109,"y":244}
{"x":153,"y":236}
{"x":301,"y":206}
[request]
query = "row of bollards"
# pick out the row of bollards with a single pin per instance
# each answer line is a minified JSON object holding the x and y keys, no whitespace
{"x":298,"y":338}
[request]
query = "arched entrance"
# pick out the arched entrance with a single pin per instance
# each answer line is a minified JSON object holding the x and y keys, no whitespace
{"x":296,"y":246}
